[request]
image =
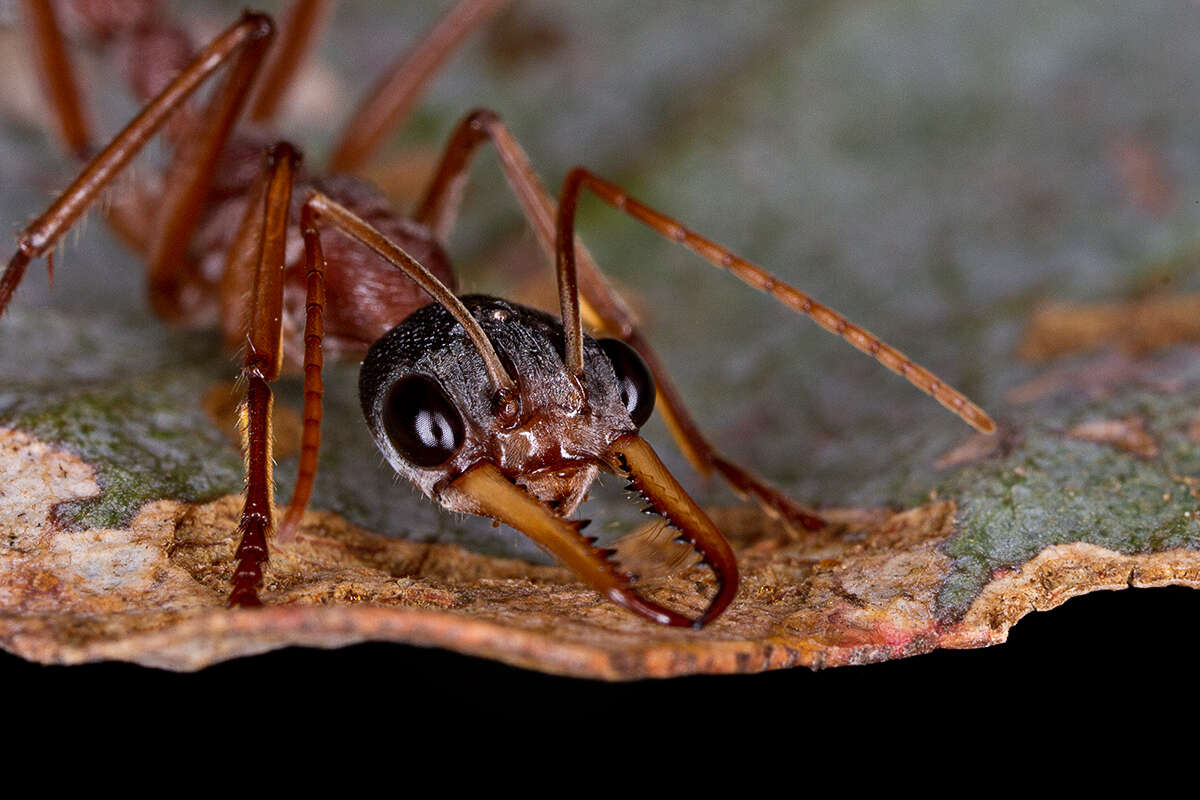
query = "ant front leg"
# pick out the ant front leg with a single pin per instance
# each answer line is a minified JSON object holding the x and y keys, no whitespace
{"x":258,"y":253}
{"x":260,"y":244}
{"x":188,"y":179}
{"x":257,"y":256}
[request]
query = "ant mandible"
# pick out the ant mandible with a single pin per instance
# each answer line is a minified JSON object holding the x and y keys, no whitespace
{"x":489,"y":407}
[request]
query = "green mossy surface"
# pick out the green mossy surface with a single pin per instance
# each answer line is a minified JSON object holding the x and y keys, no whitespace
{"x":147,"y":438}
{"x":1051,"y":488}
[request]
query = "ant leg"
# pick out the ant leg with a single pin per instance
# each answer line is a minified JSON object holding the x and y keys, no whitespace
{"x":314,"y":332}
{"x":399,"y":88}
{"x":128,"y":212}
{"x":58,"y":77}
{"x":266,"y":218}
{"x":682,"y":426}
{"x":245,"y":41}
{"x":191,"y":172}
{"x":298,"y":32}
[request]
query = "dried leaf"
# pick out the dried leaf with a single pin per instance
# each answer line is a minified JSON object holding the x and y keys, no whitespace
{"x":867,"y":589}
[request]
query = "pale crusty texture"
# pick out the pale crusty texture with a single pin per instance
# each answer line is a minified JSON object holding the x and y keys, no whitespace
{"x":153,"y":593}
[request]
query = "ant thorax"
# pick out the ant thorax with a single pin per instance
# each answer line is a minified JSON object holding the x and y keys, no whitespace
{"x":431,"y":407}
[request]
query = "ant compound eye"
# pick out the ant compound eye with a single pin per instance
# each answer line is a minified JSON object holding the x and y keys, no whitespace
{"x":421,"y":421}
{"x":633,"y":379}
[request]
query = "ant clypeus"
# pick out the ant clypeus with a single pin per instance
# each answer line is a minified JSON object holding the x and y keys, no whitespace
{"x":489,"y":407}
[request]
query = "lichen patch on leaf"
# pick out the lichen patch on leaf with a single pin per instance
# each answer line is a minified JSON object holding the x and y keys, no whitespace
{"x":147,"y":436}
{"x":49,"y":569}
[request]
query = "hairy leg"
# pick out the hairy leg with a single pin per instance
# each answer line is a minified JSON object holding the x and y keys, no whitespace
{"x":264,"y":250}
{"x":243,"y":43}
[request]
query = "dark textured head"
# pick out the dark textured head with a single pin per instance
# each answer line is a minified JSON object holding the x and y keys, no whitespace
{"x":526,"y":454}
{"x":430,"y":405}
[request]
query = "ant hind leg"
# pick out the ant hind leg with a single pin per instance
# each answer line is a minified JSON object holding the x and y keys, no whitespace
{"x":395,"y":92}
{"x":58,"y":78}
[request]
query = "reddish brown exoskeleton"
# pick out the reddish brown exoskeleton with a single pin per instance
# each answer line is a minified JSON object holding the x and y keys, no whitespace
{"x":489,"y":407}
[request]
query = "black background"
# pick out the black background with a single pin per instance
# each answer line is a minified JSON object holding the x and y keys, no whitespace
{"x":1120,"y":659}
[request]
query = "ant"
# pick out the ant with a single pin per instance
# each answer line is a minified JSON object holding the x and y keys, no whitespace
{"x":488,"y":407}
